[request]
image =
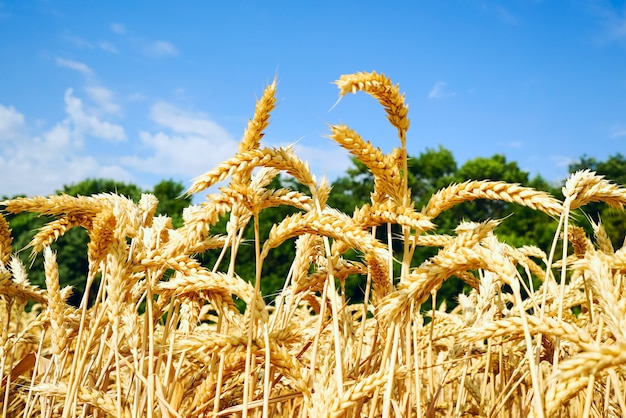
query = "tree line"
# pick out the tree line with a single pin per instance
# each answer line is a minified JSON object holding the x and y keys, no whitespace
{"x":428,"y":172}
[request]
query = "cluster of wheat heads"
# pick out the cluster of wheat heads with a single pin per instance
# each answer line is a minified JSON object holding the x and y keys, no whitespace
{"x":168,"y":336}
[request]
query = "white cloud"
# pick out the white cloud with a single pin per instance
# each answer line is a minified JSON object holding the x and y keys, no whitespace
{"x":85,"y":124}
{"x":59,"y":137}
{"x":161,"y":49}
{"x":85,"y":44}
{"x":11,"y":123}
{"x":190,"y":145}
{"x":181,"y":155}
{"x":439,"y":91}
{"x":118,"y":28}
{"x":180,"y":121}
{"x":184,"y":145}
{"x":78,"y":41}
{"x":74,"y":65}
{"x":44,"y":162}
{"x":104,"y":98}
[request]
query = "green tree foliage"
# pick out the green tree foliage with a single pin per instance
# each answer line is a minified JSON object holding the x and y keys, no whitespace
{"x":172,"y":200}
{"x":95,"y":186}
{"x":432,"y":170}
{"x":353,"y":189}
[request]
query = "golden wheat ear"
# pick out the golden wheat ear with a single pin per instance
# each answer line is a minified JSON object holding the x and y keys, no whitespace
{"x":387,"y":176}
{"x":283,"y":159}
{"x":5,"y":241}
{"x":454,"y":194}
{"x":586,"y":186}
{"x":388,"y":95}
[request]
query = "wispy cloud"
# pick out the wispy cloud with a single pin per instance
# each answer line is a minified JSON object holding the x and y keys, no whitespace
{"x":118,"y":28}
{"x":161,"y":49}
{"x":74,"y":65}
{"x":515,"y":144}
{"x":500,"y":12}
{"x":617,"y":131}
{"x":78,"y":41}
{"x":612,"y":19}
{"x":108,"y":46}
{"x":440,"y":91}
{"x":82,"y":43}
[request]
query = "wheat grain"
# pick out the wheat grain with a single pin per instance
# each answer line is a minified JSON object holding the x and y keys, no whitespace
{"x":279,"y":158}
{"x":54,"y":205}
{"x":56,"y":304}
{"x":101,"y":237}
{"x":387,"y":179}
{"x":381,"y":88}
{"x":495,"y":190}
{"x":602,"y":238}
{"x":586,"y":186}
{"x":55,"y":229}
{"x":367,"y":216}
{"x":5,"y":241}
{"x":330,"y":223}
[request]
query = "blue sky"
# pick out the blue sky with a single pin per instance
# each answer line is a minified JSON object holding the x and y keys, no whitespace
{"x":143,"y":91}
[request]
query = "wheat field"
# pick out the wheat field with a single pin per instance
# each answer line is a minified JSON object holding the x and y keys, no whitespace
{"x":167,"y":336}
